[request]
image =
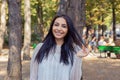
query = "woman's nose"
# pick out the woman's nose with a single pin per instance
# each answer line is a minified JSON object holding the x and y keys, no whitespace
{"x":59,"y":28}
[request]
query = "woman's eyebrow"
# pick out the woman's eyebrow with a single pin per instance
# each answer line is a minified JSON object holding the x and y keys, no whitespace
{"x":62,"y":24}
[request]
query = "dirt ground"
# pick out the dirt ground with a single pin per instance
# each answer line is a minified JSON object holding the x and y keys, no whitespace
{"x":101,"y":69}
{"x":94,"y":68}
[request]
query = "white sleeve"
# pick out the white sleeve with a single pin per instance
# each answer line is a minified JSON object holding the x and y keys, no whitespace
{"x":34,"y":64}
{"x":77,"y":48}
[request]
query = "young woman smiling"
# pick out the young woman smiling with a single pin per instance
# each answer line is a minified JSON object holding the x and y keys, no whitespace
{"x":59,"y":56}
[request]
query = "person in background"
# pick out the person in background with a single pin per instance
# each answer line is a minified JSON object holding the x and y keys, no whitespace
{"x":102,"y":41}
{"x":110,"y":42}
{"x":92,"y":41}
{"x":59,"y":56}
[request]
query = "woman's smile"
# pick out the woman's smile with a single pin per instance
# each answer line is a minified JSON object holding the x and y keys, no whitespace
{"x":58,"y":32}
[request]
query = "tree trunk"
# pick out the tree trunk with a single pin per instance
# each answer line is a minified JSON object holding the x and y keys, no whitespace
{"x":76,"y":7}
{"x":114,"y":21}
{"x":40,"y":20}
{"x":3,"y":24}
{"x":14,"y":69}
{"x":27,"y":30}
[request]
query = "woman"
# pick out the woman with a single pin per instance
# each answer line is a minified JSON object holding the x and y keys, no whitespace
{"x":59,"y":56}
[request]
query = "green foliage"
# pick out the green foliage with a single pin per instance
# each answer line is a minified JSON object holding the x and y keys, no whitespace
{"x":96,"y":10}
{"x":99,"y":12}
{"x":49,"y":10}
{"x":6,"y":40}
{"x":35,"y":38}
{"x":34,"y":4}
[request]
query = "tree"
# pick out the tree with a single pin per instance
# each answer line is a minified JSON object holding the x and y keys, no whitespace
{"x":14,"y":69}
{"x":40,"y":19}
{"x":42,"y":12}
{"x":27,"y":30}
{"x":76,"y":7}
{"x":114,"y":4}
{"x":114,"y":20}
{"x":3,"y":23}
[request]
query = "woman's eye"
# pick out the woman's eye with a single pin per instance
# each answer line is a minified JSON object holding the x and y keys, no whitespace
{"x":64,"y":26}
{"x":56,"y":24}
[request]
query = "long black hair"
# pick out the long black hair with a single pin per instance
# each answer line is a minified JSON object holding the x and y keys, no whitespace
{"x":67,"y":49}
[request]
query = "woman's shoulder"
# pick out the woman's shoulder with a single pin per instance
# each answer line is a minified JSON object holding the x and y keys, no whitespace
{"x":40,"y":44}
{"x":37,"y":49}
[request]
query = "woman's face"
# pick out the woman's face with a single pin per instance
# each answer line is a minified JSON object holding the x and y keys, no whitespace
{"x":60,"y":28}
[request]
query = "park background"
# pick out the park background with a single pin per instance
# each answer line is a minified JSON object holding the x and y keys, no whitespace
{"x":25,"y":23}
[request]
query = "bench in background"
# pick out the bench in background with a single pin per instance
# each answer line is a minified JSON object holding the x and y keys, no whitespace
{"x":111,"y":49}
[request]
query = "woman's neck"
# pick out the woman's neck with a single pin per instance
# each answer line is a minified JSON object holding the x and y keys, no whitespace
{"x":59,"y":42}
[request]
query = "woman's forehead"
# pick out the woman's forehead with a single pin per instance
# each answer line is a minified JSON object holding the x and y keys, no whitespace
{"x":60,"y":20}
